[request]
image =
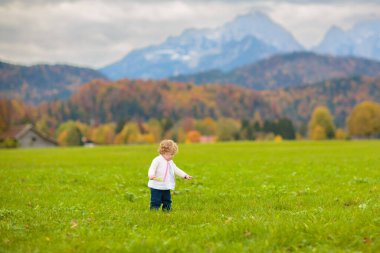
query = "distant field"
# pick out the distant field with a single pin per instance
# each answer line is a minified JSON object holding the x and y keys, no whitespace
{"x":254,"y":197}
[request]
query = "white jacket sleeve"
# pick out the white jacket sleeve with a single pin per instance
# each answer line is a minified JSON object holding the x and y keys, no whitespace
{"x":153,"y":168}
{"x":178,"y":171}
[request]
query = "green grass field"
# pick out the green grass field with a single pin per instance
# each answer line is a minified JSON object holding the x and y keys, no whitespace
{"x":252,"y":197}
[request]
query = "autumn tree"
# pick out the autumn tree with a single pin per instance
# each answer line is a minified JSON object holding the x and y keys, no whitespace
{"x":318,"y":133}
{"x":155,"y":128}
{"x":14,"y":112}
{"x":227,"y":129}
{"x":133,"y":132}
{"x":68,"y":134}
{"x":84,"y":129}
{"x":46,"y":124}
{"x":193,"y":136}
{"x":321,"y":125}
{"x":128,"y":134}
{"x":340,"y":134}
{"x":19,"y":112}
{"x":5,"y":114}
{"x":188,"y":124}
{"x":206,"y":126}
{"x":176,"y":133}
{"x":364,"y":120}
{"x":103,"y":134}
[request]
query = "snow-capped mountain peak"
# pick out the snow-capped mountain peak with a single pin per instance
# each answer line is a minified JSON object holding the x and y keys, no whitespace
{"x":245,"y":39}
{"x":363,"y":40}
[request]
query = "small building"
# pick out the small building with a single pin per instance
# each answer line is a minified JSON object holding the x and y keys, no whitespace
{"x":87,"y":142}
{"x":207,"y":139}
{"x":27,"y":136}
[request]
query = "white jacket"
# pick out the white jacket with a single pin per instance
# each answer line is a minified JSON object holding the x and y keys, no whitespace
{"x":158,"y":169}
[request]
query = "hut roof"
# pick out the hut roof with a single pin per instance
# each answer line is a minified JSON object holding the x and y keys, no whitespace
{"x":17,"y":132}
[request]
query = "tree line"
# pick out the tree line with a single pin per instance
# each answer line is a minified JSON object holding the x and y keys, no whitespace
{"x":362,"y":122}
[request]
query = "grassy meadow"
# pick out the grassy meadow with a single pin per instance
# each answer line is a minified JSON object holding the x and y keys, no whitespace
{"x":245,"y":197}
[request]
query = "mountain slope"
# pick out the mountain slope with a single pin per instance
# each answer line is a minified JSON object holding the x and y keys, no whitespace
{"x":288,"y":70}
{"x":362,"y":40}
{"x":246,"y":39}
{"x":39,"y":83}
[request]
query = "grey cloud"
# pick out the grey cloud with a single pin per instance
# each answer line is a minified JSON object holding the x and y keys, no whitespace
{"x":95,"y":33}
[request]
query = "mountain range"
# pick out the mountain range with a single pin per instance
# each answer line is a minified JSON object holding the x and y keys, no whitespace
{"x":40,"y":83}
{"x":37,"y":83}
{"x":362,"y":40}
{"x":245,"y":40}
{"x":288,"y":70}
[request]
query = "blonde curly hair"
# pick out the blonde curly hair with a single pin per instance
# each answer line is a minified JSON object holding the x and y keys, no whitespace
{"x":168,"y":147}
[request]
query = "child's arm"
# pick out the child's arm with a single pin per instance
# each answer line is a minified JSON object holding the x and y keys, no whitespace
{"x":181,"y":173}
{"x":152,"y":169}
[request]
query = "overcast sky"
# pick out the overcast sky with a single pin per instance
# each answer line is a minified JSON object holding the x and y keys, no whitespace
{"x":95,"y":33}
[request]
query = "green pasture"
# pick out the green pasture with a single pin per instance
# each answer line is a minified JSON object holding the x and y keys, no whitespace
{"x":245,"y":197}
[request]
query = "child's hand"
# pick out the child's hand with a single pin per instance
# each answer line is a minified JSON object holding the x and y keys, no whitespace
{"x":188,"y":177}
{"x":151,"y":177}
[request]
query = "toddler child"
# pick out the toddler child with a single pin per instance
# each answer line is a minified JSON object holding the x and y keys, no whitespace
{"x":162,"y":176}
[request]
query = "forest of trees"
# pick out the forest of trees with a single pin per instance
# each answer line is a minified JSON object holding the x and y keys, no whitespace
{"x":363,"y":122}
{"x":147,"y":111}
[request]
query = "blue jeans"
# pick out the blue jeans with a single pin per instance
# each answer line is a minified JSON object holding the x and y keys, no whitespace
{"x":158,"y":197}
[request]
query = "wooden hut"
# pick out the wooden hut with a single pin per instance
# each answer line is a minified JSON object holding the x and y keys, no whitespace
{"x":27,"y":136}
